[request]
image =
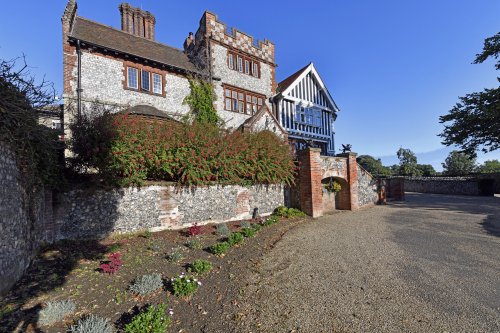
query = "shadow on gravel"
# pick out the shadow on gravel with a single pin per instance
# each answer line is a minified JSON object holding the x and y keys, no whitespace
{"x":489,"y":206}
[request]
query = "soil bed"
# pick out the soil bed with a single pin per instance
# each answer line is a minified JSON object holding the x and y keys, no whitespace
{"x":69,"y":270}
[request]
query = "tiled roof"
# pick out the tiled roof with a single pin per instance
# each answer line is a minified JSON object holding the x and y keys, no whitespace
{"x":146,"y":110}
{"x":289,"y":80}
{"x":116,"y":40}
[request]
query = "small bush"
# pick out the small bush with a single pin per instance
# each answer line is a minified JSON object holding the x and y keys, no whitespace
{"x":201,"y":266}
{"x":175,"y":256}
{"x":220,"y":248}
{"x":245,"y":224}
{"x":92,"y":324}
{"x":152,"y":320}
{"x":235,"y":238}
{"x":270,"y":221}
{"x":194,"y":230}
{"x":147,"y":234}
{"x":147,"y":284}
{"x":256,"y":227}
{"x":194,"y":244}
{"x":223,"y":230}
{"x":282,"y":211}
{"x":113,"y":264}
{"x":154,"y":247}
{"x":184,"y":285}
{"x":55,"y":311}
{"x":248,"y":232}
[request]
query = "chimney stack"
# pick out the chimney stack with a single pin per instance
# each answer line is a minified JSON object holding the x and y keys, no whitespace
{"x":137,"y":21}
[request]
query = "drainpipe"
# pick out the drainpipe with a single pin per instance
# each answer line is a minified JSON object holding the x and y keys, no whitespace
{"x":79,"y":81}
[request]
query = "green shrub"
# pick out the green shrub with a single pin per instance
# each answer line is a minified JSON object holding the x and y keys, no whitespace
{"x":223,"y":230}
{"x":147,"y":284}
{"x":153,"y":320}
{"x":194,"y":244}
{"x":196,"y":154}
{"x":248,"y":232}
{"x":176,"y":255}
{"x":92,"y":324}
{"x":256,"y":227}
{"x":282,"y":211}
{"x":184,"y":285}
{"x":220,"y":248}
{"x":270,"y":221}
{"x":235,"y":238}
{"x":55,"y":311}
{"x":201,"y":266}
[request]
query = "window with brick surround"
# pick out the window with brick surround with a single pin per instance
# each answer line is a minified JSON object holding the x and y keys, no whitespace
{"x":157,"y":83}
{"x":242,"y":101}
{"x":132,"y":81}
{"x":145,"y":80}
{"x":243,"y":64}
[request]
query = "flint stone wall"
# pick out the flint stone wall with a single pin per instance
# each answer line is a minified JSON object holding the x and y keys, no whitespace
{"x":25,"y":221}
{"x":442,"y":185}
{"x":97,"y":213}
{"x":367,"y":188}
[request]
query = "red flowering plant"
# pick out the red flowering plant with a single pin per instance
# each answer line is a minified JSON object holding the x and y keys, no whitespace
{"x":113,"y":264}
{"x":193,"y":154}
{"x":194,"y":230}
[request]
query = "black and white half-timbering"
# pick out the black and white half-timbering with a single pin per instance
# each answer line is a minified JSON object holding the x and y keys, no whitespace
{"x":306,"y":110}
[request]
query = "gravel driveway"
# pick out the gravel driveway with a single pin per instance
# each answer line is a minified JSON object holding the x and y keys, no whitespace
{"x":430,"y":264}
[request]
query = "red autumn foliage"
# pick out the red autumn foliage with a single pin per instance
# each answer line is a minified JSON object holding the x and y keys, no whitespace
{"x":113,"y":264}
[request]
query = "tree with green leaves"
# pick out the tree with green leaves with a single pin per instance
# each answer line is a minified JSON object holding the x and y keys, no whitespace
{"x":408,"y":163}
{"x":474,"y":122}
{"x":458,"y":164}
{"x":490,"y":166}
{"x":373,"y":166}
{"x":201,"y":102}
{"x":427,"y":170}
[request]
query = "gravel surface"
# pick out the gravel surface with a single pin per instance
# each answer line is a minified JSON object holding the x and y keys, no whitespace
{"x":430,"y":264}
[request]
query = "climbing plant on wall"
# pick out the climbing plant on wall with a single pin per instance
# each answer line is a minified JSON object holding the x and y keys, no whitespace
{"x":201,"y":102}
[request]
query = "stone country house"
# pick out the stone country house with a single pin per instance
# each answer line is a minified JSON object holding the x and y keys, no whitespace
{"x":130,"y":71}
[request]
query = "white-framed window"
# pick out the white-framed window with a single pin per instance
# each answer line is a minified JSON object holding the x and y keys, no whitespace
{"x":247,"y":67}
{"x":56,"y":124}
{"x":132,"y":79}
{"x":255,"y":69}
{"x":300,"y":115}
{"x":157,"y":84}
{"x":145,"y":83}
{"x":309,"y":116}
{"x":240,"y":64}
{"x":230,"y":60}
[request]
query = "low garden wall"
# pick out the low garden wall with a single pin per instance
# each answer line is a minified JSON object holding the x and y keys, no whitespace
{"x":97,"y":213}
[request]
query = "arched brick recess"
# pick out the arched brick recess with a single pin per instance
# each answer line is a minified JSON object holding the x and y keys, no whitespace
{"x":336,"y":201}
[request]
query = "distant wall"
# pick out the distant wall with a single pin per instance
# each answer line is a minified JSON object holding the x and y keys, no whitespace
{"x":443,"y":185}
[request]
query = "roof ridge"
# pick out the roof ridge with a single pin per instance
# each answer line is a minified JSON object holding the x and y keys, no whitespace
{"x":128,"y":33}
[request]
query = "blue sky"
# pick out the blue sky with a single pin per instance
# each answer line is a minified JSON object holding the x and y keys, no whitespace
{"x":392,"y":66}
